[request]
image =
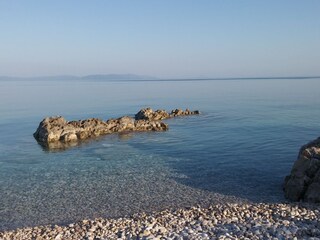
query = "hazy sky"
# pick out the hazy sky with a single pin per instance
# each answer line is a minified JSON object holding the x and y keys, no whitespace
{"x":164,"y":38}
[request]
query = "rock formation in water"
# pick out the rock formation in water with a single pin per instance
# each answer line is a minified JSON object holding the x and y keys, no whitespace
{"x":56,"y":132}
{"x":304,"y":181}
{"x":149,"y":114}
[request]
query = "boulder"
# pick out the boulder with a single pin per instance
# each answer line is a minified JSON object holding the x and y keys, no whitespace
{"x":149,"y":114}
{"x":304,"y":181}
{"x":50,"y":129}
{"x":55,"y":129}
{"x":56,"y":132}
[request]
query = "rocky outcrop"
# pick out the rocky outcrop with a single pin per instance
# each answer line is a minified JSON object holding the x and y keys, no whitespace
{"x":304,"y":181}
{"x":149,"y":114}
{"x":56,"y":132}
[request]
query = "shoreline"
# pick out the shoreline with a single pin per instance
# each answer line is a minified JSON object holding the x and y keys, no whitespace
{"x":216,"y":221}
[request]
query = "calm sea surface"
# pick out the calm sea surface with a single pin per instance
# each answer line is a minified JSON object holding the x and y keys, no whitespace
{"x":239,"y":149}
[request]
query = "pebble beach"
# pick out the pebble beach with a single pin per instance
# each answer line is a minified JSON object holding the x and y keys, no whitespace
{"x":159,"y":120}
{"x":218,"y":221}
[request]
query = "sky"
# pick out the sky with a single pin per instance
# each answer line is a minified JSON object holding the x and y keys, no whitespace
{"x":164,"y":38}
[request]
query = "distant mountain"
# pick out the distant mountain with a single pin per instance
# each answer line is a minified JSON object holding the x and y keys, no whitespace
{"x":55,"y":78}
{"x":118,"y":77}
{"x":95,"y":77}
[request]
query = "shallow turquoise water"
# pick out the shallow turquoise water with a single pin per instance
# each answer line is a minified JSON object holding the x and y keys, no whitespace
{"x":242,"y":145}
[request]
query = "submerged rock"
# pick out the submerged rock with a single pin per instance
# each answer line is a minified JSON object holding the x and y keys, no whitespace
{"x":304,"y":181}
{"x":56,"y":132}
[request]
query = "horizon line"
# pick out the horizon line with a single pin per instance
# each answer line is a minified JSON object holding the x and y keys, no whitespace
{"x":150,"y":78}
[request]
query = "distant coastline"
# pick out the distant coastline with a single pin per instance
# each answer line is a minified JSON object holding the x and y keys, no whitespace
{"x":95,"y":77}
{"x":134,"y":77}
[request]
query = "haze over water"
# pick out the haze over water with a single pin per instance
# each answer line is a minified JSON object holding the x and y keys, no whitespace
{"x":240,"y":148}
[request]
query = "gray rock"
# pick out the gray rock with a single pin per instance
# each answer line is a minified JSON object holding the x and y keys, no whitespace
{"x":304,"y":181}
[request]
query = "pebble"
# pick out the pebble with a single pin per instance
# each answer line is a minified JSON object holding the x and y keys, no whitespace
{"x":219,"y":221}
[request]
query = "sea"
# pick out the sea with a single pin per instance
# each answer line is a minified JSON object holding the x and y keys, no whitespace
{"x":240,"y":148}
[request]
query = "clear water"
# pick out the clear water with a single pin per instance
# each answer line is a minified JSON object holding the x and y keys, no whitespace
{"x":240,"y":148}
